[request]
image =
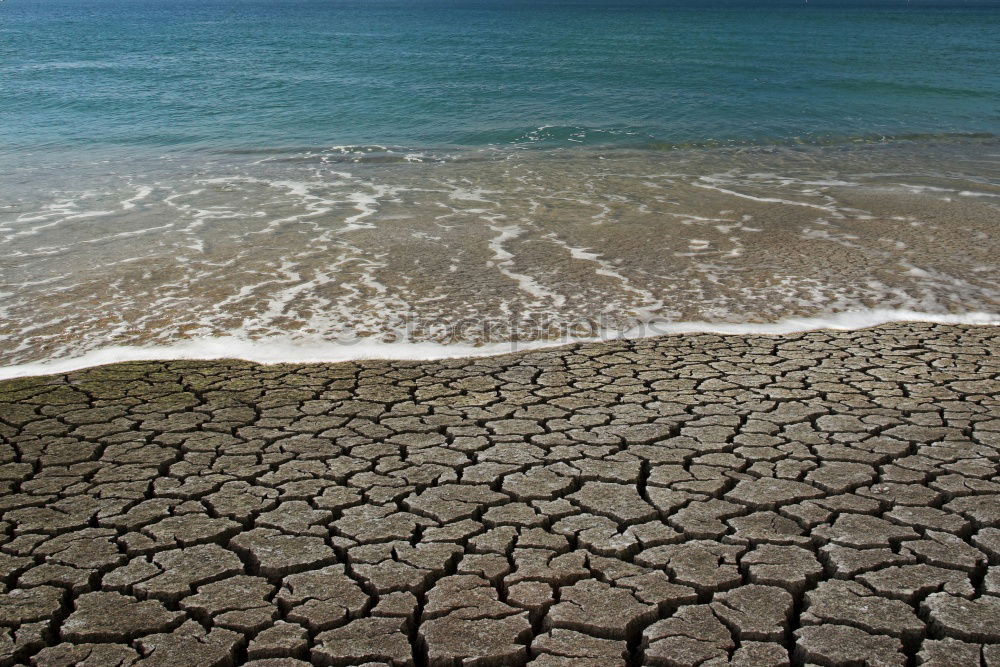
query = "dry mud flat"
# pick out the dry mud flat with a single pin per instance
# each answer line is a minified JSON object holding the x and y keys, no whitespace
{"x":821,"y":498}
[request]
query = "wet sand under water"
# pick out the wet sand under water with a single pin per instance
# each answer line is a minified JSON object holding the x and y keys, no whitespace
{"x":314,"y":249}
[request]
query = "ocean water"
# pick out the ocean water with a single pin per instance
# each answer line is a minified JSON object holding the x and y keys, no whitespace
{"x":356,"y":177}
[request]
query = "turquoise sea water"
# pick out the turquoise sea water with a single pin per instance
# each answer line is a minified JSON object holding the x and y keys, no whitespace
{"x":264,"y":74}
{"x":319,"y":177}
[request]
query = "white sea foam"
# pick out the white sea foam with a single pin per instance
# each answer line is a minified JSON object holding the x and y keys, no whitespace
{"x":918,"y":189}
{"x":706,"y":183}
{"x":286,"y":349}
{"x":503,"y":260}
{"x":650,"y":304}
{"x":143,"y":191}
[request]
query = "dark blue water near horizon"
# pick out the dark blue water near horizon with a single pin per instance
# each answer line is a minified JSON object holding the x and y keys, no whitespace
{"x":232,"y":75}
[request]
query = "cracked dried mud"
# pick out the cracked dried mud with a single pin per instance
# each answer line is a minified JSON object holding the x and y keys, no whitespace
{"x":820,"y":498}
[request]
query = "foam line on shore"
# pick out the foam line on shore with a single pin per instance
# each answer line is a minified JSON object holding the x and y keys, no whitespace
{"x":285,"y":349}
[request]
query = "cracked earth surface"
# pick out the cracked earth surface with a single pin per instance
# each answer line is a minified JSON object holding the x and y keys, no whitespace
{"x":821,"y":498}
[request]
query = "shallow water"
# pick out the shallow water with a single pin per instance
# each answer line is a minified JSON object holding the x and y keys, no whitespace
{"x":207,"y":176}
{"x":489,"y":248}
